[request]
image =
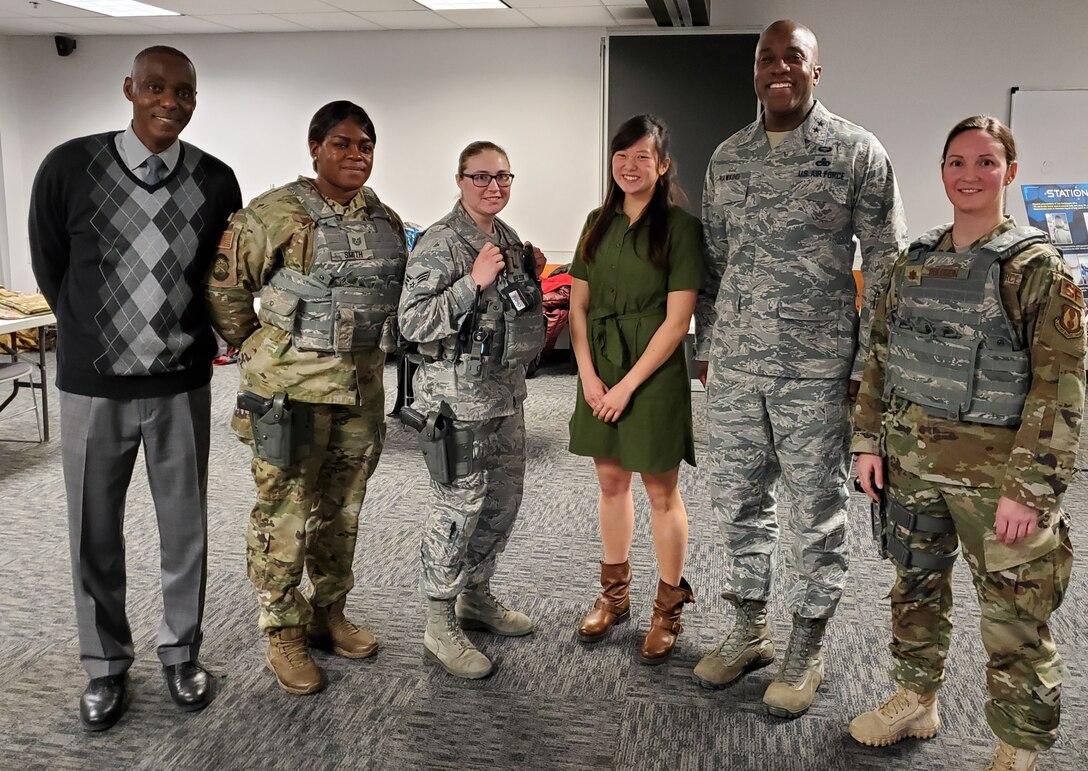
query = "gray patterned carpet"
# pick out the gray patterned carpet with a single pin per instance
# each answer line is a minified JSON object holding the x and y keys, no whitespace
{"x":552,"y":703}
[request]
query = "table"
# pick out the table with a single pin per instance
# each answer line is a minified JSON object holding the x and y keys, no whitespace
{"x":10,"y":327}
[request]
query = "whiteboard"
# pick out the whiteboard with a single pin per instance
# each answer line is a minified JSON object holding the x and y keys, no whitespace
{"x":1051,"y":129}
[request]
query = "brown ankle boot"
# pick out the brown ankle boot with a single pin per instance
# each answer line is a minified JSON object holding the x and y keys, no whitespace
{"x":291,"y":663}
{"x":612,"y":607}
{"x":330,"y":630}
{"x":665,"y":626}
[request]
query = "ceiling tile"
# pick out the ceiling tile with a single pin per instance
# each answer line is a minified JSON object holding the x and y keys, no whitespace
{"x":44,"y":10}
{"x":272,"y":6}
{"x":105,"y":25}
{"x":630,"y":14}
{"x":38,"y":27}
{"x":522,"y":4}
{"x":370,"y":6}
{"x":337,"y":21}
{"x":595,"y":16}
{"x":422,"y":19}
{"x":185,"y":25}
{"x":255,"y":22}
{"x":480,"y":19}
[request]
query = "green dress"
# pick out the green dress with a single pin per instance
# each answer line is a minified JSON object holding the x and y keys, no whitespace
{"x":627,"y":301}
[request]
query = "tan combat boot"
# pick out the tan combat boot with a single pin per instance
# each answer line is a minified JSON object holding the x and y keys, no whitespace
{"x":1009,"y":758}
{"x":904,"y":715}
{"x":330,"y":630}
{"x":613,"y":606}
{"x":794,"y":687}
{"x":665,"y":626}
{"x":290,"y":662}
{"x":747,"y":647}
{"x":478,"y":609}
{"x":446,"y":643}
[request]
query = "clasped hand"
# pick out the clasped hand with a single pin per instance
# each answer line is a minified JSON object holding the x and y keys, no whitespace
{"x":607,"y":403}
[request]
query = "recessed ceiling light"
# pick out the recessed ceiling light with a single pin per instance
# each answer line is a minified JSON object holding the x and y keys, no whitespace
{"x":118,"y":7}
{"x":462,"y":5}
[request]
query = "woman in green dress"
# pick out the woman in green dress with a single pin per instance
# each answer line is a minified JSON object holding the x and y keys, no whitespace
{"x":636,"y":274}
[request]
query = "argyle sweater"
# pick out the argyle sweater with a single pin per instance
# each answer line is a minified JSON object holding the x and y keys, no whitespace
{"x":122,"y":264}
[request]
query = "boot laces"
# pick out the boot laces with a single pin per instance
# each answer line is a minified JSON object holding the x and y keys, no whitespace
{"x":738,"y":638}
{"x":456,"y":634}
{"x":797,"y":654}
{"x":295,"y":652}
{"x":896,"y":704}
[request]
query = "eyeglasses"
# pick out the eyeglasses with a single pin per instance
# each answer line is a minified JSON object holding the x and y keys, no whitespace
{"x":482,"y":179}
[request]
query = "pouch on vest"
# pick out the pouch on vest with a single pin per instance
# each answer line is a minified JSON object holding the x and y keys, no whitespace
{"x":354,"y":325}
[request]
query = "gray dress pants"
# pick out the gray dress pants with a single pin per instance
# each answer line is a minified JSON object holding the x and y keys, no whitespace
{"x":100,"y":439}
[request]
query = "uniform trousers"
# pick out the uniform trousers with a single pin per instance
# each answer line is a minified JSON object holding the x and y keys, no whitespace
{"x":762,"y":429}
{"x":307,"y":515}
{"x":471,"y":519}
{"x":100,"y":439}
{"x":1024,"y":671}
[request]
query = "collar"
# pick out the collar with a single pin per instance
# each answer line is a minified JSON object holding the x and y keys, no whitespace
{"x":358,"y":203}
{"x":946,"y":245}
{"x":813,"y":130}
{"x":134,"y":152}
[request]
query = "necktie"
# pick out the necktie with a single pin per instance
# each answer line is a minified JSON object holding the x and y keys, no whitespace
{"x":156,"y":169}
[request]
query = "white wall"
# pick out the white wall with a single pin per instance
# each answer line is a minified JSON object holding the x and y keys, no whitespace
{"x":535,"y":92}
{"x":905,"y":70}
{"x":909,"y":71}
{"x":7,"y":140}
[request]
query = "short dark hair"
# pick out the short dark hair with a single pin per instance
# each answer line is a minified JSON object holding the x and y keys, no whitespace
{"x":161,"y":51}
{"x":474,"y":149}
{"x":988,"y":124}
{"x":336,"y":112}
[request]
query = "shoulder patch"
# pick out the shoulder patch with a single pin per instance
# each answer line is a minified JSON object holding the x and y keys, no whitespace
{"x":1070,"y":321}
{"x":1070,"y":291}
{"x":223,"y":272}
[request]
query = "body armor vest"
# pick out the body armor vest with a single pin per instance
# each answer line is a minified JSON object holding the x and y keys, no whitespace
{"x":506,"y":328}
{"x":952,"y":349}
{"x":347,"y":301}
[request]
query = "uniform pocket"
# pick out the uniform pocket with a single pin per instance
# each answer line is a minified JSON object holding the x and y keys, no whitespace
{"x":813,"y":324}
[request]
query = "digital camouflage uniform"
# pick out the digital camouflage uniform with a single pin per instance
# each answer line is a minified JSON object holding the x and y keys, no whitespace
{"x":778,"y":323}
{"x":306,"y":514}
{"x":471,"y":519}
{"x":952,"y":469}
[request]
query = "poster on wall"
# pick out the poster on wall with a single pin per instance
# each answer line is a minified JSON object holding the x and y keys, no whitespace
{"x":1061,"y":211}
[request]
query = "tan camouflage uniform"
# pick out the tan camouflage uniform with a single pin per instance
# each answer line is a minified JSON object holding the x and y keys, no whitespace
{"x":471,"y":520}
{"x":951,"y":469}
{"x":307,"y":513}
{"x":778,"y":324}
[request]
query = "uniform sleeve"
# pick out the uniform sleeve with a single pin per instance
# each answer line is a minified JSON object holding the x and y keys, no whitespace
{"x":879,"y":225}
{"x":434,"y":301}
{"x":685,"y":253}
{"x":578,"y":267}
{"x":236,"y":275}
{"x":869,"y":407}
{"x":48,"y":228}
{"x":1043,"y":457}
{"x":714,"y":264}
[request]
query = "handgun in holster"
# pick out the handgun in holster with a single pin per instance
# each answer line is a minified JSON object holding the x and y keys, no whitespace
{"x":447,"y":451}
{"x":282,"y":431}
{"x":878,"y":518}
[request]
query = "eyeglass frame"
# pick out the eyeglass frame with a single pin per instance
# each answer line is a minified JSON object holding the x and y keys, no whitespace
{"x":490,"y":178}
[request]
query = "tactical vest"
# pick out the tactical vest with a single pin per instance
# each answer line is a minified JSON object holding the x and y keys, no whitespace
{"x":500,"y":334}
{"x":952,"y":349}
{"x":347,"y":301}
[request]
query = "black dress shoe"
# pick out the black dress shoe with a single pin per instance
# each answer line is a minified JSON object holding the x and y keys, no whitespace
{"x":190,"y":685}
{"x":103,"y":702}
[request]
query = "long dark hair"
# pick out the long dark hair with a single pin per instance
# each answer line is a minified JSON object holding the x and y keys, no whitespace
{"x":665,"y":193}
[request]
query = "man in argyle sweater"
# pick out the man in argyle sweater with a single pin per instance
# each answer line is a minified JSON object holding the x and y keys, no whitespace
{"x":123,"y":226}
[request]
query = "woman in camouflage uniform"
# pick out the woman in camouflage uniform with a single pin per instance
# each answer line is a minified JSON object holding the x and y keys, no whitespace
{"x":328,"y":259}
{"x":472,"y":305}
{"x":968,"y":422}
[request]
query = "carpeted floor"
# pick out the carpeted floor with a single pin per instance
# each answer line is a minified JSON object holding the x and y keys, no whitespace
{"x":552,"y":702}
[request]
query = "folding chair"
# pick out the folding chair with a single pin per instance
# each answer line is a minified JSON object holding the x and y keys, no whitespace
{"x":11,"y":372}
